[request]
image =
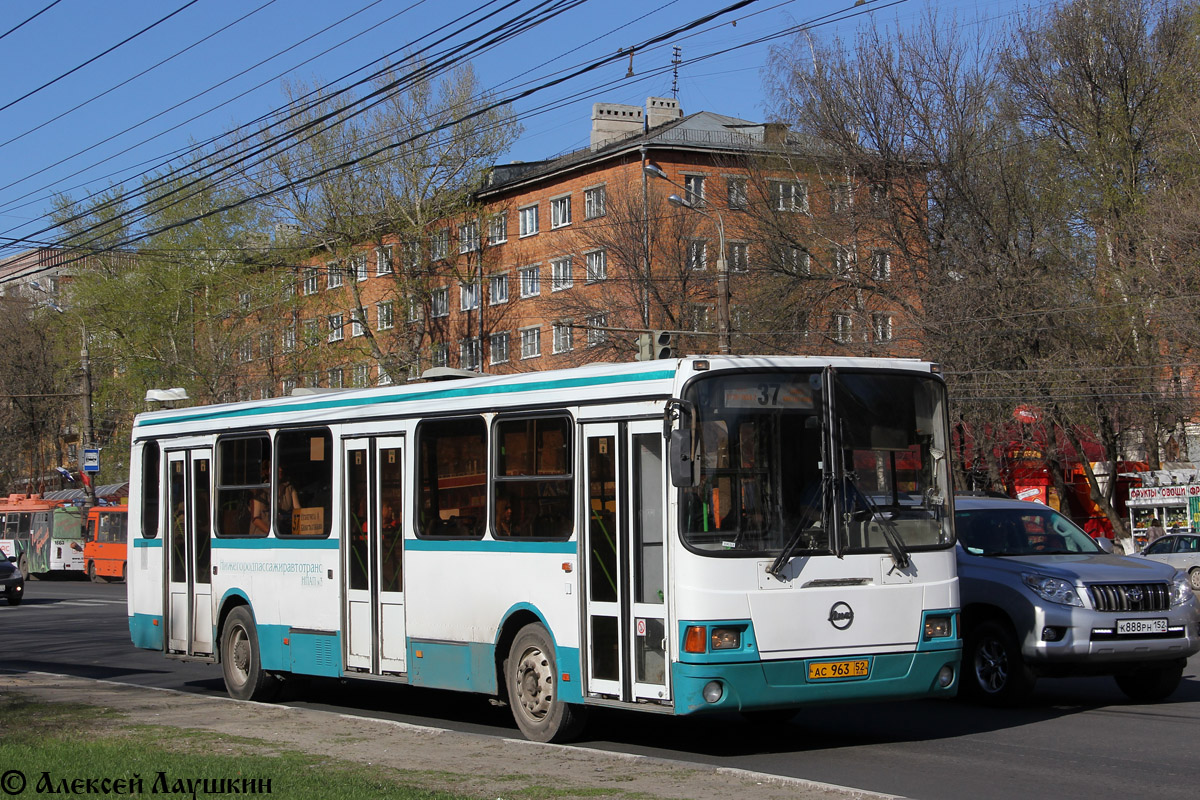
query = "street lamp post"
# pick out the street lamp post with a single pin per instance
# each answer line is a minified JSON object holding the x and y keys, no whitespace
{"x":723,"y":346}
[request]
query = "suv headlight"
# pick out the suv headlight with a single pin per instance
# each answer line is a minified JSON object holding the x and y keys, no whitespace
{"x":1181,"y":590}
{"x":1055,"y":590}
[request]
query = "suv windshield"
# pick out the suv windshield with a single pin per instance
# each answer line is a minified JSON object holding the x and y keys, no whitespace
{"x":766,"y":487}
{"x":1021,"y":532}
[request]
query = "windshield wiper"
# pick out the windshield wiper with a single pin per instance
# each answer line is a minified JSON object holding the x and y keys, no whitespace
{"x":891,"y":534}
{"x":807,"y":516}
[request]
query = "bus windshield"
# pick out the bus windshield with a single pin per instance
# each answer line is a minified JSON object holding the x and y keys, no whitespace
{"x":766,"y":486}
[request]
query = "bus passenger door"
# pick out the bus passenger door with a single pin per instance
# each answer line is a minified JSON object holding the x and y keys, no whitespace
{"x":625,"y":558}
{"x":375,"y":630}
{"x":189,"y":564}
{"x":389,"y":538}
{"x":646,"y":531}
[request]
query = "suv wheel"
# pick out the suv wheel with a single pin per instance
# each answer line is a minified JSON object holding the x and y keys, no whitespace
{"x":993,"y":670}
{"x":1150,"y":684}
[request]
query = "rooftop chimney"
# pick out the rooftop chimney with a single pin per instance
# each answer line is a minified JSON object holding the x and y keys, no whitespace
{"x":660,"y":110}
{"x":612,"y":121}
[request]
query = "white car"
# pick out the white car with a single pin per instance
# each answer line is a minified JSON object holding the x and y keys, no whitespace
{"x":1041,"y":599}
{"x":1181,"y":551}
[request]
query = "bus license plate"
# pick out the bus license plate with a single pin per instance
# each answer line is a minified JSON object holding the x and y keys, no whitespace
{"x":826,"y":670}
{"x":1126,"y":626}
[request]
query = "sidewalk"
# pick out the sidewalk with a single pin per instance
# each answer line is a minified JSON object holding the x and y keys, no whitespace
{"x":467,"y":763}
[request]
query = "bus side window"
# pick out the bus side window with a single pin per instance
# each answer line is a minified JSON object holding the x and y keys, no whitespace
{"x":534,"y":486}
{"x":243,"y":486}
{"x":452,"y":478}
{"x":303,"y":496}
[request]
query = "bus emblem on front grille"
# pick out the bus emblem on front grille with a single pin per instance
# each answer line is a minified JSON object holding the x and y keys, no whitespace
{"x":841,"y":616}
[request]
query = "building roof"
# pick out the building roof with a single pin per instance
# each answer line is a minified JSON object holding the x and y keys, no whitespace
{"x":702,"y":131}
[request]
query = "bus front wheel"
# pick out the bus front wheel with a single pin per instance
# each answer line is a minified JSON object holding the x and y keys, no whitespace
{"x":245,"y":679}
{"x":531,"y":671}
{"x":91,"y":572}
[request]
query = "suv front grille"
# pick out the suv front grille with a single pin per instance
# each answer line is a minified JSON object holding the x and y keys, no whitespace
{"x":1130,"y":596}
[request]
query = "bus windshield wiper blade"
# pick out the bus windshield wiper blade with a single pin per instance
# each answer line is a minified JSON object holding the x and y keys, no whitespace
{"x":890,"y":534}
{"x":793,"y":541}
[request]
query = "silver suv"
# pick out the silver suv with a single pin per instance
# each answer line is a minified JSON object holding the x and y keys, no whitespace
{"x":1041,"y":599}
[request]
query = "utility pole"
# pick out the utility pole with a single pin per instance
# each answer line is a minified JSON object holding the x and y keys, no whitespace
{"x":87,"y":436}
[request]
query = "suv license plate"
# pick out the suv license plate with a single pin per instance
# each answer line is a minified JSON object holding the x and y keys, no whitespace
{"x":1135,"y":626}
{"x":826,"y":670}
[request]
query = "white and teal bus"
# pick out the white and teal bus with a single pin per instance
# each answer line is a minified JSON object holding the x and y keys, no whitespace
{"x":681,"y":536}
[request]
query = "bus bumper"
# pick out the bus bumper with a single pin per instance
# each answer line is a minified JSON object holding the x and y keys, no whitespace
{"x":748,"y":686}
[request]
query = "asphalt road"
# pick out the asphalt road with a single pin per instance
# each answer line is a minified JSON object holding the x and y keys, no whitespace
{"x":1078,"y":739}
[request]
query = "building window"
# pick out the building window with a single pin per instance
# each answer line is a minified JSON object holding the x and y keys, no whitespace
{"x":311,"y":284}
{"x":335,"y":378}
{"x":842,"y":328}
{"x":693,"y":186}
{"x":414,"y":309}
{"x":842,"y":262}
{"x":697,"y":254}
{"x":560,"y":212}
{"x":499,"y":347}
{"x":440,"y":354}
{"x":839,"y":196}
{"x":361,"y":272}
{"x":357,"y":328}
{"x":385,"y":315}
{"x":312,"y":332}
{"x":468,"y":296}
{"x":560,"y":274}
{"x":739,"y":257}
{"x":361,"y":377}
{"x":881,"y":265}
{"x":468,"y":354}
{"x":439,"y":302}
{"x":411,"y":255}
{"x":245,"y":351}
{"x":700,"y":317}
{"x":531,"y":282}
{"x":439,"y":244}
{"x":264,"y":345}
{"x":527,"y":219}
{"x":597,"y":266}
{"x":795,"y":260}
{"x":288,"y":340}
{"x":881,"y":327}
{"x":789,"y":196}
{"x":498,"y":229}
{"x":593,"y":202}
{"x":564,"y":337}
{"x":878,"y":193}
{"x":596,"y":329}
{"x":336,"y":326}
{"x":737,"y":193}
{"x":244,"y":300}
{"x":288,"y":385}
{"x":468,"y":237}
{"x":531,"y":342}
{"x":384,"y":379}
{"x":498,"y":289}
{"x":383,"y":260}
{"x":334,"y":274}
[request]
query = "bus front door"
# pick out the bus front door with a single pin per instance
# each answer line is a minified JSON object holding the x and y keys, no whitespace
{"x":375,"y":629}
{"x":624,"y":553}
{"x":189,"y":572}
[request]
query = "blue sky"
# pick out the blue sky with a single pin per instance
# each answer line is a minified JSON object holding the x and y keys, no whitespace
{"x":219,"y":72}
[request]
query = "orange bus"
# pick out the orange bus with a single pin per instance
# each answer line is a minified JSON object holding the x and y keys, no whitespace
{"x":104,"y":543}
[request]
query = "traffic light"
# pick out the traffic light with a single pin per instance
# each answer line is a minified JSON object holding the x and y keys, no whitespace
{"x":645,"y":352}
{"x":662,"y":343}
{"x":655,"y":344}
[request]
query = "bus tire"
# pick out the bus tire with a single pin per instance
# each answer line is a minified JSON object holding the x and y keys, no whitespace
{"x":91,"y":572}
{"x":531,"y":672}
{"x":245,"y":679}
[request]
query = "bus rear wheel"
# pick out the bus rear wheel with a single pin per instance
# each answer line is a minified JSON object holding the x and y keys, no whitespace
{"x":531,"y":672}
{"x":245,"y":679}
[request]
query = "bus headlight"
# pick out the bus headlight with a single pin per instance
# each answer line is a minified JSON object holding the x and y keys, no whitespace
{"x":937,"y":627}
{"x":713,"y":692}
{"x":726,"y":639}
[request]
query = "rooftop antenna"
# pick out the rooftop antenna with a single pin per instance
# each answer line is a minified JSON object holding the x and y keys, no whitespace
{"x":675,"y":62}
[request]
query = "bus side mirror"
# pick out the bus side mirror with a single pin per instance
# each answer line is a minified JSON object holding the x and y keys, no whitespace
{"x":683,"y":468}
